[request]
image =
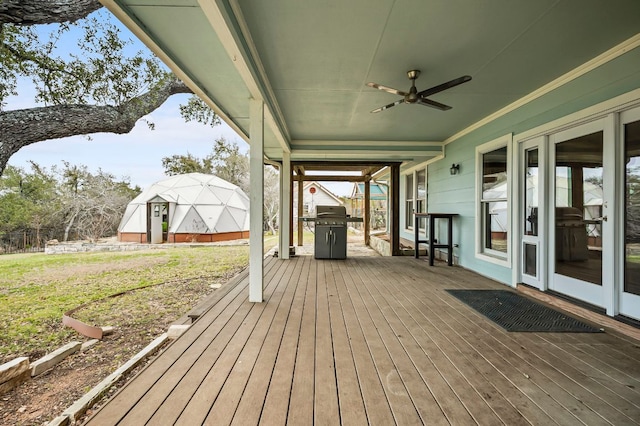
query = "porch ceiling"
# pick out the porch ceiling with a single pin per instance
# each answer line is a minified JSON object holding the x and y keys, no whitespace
{"x":310,"y":61}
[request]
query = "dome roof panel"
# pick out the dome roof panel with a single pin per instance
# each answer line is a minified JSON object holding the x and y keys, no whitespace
{"x":198,"y":204}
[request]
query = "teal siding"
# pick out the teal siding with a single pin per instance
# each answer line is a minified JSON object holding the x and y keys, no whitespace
{"x":456,"y":194}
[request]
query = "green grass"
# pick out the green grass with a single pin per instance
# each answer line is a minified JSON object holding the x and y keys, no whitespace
{"x":36,"y":289}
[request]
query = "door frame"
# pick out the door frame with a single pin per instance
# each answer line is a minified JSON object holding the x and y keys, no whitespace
{"x":539,"y":281}
{"x":627,"y":304}
{"x":591,"y":293}
{"x":614,"y":112}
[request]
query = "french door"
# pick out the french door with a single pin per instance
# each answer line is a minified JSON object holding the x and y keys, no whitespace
{"x":580,"y":243}
{"x":532,"y":223}
{"x":579,"y":212}
{"x":629,"y":288}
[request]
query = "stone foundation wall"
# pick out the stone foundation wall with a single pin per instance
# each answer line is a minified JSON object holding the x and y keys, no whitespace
{"x":380,"y":245}
{"x":80,"y":247}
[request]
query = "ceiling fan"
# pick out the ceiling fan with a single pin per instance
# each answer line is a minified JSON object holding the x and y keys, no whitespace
{"x":413,"y":96}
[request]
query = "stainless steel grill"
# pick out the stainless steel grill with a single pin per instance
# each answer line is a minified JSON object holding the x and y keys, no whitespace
{"x":330,"y":232}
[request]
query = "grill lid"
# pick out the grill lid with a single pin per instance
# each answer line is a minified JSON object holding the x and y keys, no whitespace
{"x":331,"y":211}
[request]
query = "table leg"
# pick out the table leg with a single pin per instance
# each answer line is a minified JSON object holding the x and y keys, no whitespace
{"x":431,"y":239}
{"x":450,"y":241}
{"x":416,"y":238}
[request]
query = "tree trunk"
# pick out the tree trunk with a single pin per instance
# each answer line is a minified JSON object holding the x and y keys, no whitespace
{"x":19,"y":128}
{"x":32,"y":12}
{"x":67,"y":228}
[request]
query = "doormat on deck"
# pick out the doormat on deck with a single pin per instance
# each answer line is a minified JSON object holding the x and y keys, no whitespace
{"x":514,"y":312}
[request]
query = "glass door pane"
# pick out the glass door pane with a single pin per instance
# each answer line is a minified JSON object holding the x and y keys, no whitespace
{"x":632,"y":208}
{"x":531,"y":193}
{"x":530,"y":225}
{"x":578,"y":208}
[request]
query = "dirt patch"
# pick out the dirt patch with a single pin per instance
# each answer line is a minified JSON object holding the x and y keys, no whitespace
{"x":52,"y":275}
{"x":45,"y":397}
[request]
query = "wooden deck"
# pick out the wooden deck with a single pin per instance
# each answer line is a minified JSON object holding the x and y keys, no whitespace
{"x":375,"y":340}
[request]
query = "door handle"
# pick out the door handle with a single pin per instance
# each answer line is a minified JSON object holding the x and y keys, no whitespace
{"x":602,"y":219}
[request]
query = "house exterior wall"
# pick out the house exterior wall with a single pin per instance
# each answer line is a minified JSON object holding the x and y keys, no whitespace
{"x":132,"y":237}
{"x":457,"y":194}
{"x":319,"y":198}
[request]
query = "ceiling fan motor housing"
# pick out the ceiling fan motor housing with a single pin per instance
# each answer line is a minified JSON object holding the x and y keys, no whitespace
{"x":412,"y":97}
{"x":413,"y":74}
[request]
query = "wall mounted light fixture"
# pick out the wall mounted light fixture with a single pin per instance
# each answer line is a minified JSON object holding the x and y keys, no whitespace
{"x":455,"y":168}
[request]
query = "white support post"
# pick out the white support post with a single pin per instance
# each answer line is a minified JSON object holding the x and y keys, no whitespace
{"x":285,"y":205}
{"x":256,"y":199}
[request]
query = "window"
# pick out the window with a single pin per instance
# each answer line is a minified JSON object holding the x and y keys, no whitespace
{"x":409,"y":193}
{"x":421,"y":195}
{"x":493,"y":225}
{"x":416,"y":197}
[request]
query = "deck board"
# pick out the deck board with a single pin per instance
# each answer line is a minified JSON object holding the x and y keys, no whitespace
{"x":459,"y":379}
{"x":373,"y":340}
{"x":225,"y":354}
{"x":374,"y":399}
{"x":352,"y":409}
{"x":252,"y":400}
{"x":403,"y":408}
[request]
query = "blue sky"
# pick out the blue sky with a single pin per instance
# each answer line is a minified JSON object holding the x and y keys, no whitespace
{"x":138,"y":154}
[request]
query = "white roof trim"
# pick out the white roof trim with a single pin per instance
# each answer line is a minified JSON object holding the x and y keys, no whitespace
{"x":596,"y":62}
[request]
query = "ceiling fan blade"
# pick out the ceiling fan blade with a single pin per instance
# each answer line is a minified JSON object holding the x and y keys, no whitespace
{"x":387,"y":89}
{"x":444,"y":86}
{"x":433,"y":104}
{"x":382,"y":108}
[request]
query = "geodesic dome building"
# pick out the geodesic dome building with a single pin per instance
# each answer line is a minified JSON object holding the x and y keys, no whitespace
{"x":192,"y":207}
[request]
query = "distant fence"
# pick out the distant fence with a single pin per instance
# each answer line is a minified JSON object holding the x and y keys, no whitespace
{"x":29,"y":240}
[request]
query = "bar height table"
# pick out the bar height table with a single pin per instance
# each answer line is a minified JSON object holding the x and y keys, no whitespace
{"x":431,"y":241}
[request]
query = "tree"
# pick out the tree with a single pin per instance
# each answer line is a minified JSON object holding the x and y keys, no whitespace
{"x":181,"y":164}
{"x":271,"y":198}
{"x":632,"y":201}
{"x":27,"y":200}
{"x":96,"y":205}
{"x":62,"y":199}
{"x":98,"y":86}
{"x":230,"y":164}
{"x":227,"y":162}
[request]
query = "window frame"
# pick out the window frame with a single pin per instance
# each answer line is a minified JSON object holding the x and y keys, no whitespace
{"x":482,"y":252}
{"x":419,"y":200}
{"x":409,"y":199}
{"x":412,"y":199}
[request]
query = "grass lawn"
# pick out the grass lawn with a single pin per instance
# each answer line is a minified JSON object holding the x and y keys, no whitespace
{"x":36,"y":289}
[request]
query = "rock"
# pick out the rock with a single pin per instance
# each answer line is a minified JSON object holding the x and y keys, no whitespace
{"x":177,"y":330}
{"x":13,"y":373}
{"x":54,"y":358}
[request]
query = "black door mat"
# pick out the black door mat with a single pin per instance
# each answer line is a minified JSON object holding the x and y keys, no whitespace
{"x":514,"y":312}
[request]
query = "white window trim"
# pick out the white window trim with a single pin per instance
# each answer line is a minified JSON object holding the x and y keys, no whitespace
{"x":408,"y":216}
{"x":481,"y":253}
{"x":416,"y":198}
{"x":409,"y":225}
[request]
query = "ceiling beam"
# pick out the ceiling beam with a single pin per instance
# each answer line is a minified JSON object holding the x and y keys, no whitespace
{"x":331,"y":178}
{"x":390,"y":144}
